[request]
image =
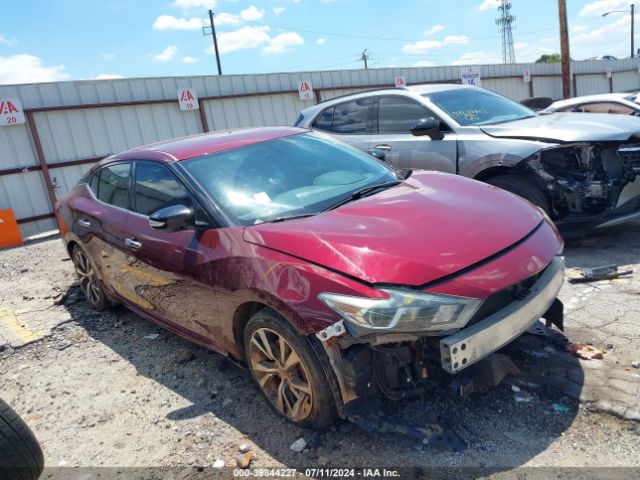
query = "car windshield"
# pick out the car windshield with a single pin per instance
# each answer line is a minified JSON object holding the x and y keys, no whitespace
{"x":473,"y":106}
{"x":301,"y":174}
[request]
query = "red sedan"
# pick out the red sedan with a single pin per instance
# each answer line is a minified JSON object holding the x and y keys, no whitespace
{"x":330,"y":274}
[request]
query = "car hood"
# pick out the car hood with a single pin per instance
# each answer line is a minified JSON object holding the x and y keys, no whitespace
{"x":569,"y":127}
{"x":430,"y":226}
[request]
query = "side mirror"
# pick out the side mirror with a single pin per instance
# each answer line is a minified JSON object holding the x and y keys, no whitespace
{"x":379,"y":154}
{"x":428,"y":126}
{"x":173,"y":218}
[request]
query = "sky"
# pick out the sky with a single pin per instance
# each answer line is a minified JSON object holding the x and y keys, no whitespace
{"x":53,"y":40}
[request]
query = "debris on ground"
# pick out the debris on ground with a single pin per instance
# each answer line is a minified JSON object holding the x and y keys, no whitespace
{"x":586,"y":352}
{"x":558,"y":407}
{"x":243,"y":448}
{"x":243,"y":460}
{"x":606,"y":272}
{"x":299,"y":445}
{"x":152,"y":336}
{"x":218,"y":464}
{"x":523,"y":397}
{"x":635,"y":364}
{"x":515,"y":388}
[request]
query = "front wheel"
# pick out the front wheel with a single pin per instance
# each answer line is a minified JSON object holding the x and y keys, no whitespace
{"x":287,"y":371}
{"x":522,"y":187}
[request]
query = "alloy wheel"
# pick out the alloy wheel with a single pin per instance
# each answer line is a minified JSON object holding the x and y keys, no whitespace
{"x":281,"y":374}
{"x":89,"y":283}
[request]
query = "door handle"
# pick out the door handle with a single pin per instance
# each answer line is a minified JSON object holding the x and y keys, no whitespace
{"x":84,"y":223}
{"x":384,"y":147}
{"x":132,"y":243}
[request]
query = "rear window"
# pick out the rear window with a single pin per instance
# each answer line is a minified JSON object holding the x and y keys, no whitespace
{"x":113,"y":185}
{"x":348,"y":118}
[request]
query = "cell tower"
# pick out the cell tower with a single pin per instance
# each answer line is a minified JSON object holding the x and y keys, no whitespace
{"x":505,"y":26}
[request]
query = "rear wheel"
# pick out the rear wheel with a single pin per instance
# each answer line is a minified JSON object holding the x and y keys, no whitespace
{"x":522,"y":187}
{"x":88,"y":279}
{"x":20,"y":454}
{"x":287,"y":371}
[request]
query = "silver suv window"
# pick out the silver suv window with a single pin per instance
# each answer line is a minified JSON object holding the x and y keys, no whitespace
{"x":352,"y":118}
{"x":397,"y":114}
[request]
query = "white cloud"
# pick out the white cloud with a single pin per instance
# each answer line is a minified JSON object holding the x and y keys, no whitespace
{"x":602,"y":6}
{"x":434,"y":29}
{"x":193,"y":4}
{"x":278,"y":10}
{"x":423,"y":63}
{"x":107,"y":76}
{"x":29,"y":69}
{"x":167,"y":54}
{"x":245,"y":37}
{"x":283,"y":42}
{"x":475,"y":58}
{"x":254,"y":37}
{"x":4,"y":39}
{"x":321,"y":41}
{"x":251,"y":14}
{"x":421,"y":46}
{"x":487,"y":5}
{"x":455,"y":39}
{"x":169,"y":22}
{"x":189,"y":60}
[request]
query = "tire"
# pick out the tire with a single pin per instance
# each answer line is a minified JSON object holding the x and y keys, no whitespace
{"x":522,"y":187}
{"x":20,"y":454}
{"x":90,"y":283}
{"x":315,"y":409}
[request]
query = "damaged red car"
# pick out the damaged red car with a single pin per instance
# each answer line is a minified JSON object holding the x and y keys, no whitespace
{"x":331,"y":275}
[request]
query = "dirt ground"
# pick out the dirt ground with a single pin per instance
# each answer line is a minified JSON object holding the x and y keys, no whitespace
{"x":111,"y":389}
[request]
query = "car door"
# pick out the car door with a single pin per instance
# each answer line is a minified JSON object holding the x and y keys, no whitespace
{"x":396,"y":115}
{"x":350,"y":121}
{"x":170,"y":270}
{"x":100,"y":221}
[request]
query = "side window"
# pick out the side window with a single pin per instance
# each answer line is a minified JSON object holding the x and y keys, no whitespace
{"x":398,"y":114}
{"x":93,"y":183}
{"x":325,"y":120}
{"x":352,"y":117}
{"x":113,"y":185}
{"x":603,"y":107}
{"x":157,"y":187}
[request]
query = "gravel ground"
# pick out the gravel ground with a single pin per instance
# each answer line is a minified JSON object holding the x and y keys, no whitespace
{"x":112,"y":389}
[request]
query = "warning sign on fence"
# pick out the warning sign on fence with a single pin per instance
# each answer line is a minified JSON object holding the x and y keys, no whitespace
{"x":188,"y":99}
{"x":471,"y":76}
{"x":305,"y":90}
{"x":400,"y":82}
{"x":11,"y":111}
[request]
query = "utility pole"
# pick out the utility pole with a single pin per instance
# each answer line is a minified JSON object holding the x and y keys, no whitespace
{"x":633,"y":14}
{"x":565,"y":57}
{"x":364,"y":58}
{"x":215,"y":40}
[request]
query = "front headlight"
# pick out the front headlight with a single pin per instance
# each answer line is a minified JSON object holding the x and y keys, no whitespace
{"x":404,"y":311}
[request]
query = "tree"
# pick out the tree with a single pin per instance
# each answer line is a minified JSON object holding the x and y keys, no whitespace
{"x":549,"y":58}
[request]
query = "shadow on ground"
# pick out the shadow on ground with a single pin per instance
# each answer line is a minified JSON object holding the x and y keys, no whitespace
{"x":501,"y":427}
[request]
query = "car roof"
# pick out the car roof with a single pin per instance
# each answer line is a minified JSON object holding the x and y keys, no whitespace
{"x":205,"y":143}
{"x":602,"y":97}
{"x":413,"y":89}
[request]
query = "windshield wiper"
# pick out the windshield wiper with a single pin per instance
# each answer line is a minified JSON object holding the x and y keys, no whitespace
{"x":284,"y":218}
{"x":364,"y":191}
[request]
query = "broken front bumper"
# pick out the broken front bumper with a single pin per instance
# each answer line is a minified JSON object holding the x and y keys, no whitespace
{"x":475,"y":342}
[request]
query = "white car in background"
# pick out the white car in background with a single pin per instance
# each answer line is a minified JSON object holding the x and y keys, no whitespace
{"x":620,"y":103}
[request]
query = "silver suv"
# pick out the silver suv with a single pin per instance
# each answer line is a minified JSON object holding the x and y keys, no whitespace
{"x":580,"y":168}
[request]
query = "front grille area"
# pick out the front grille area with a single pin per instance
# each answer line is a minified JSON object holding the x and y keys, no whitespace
{"x":630,"y":156}
{"x":501,"y":299}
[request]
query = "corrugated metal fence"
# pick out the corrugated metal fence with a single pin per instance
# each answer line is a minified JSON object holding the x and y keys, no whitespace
{"x":73,"y":124}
